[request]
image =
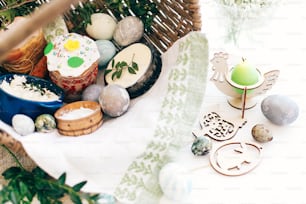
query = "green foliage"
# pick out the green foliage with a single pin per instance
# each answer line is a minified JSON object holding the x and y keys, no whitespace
{"x":24,"y":185}
{"x":143,"y":9}
{"x":81,"y":16}
{"x":11,"y":8}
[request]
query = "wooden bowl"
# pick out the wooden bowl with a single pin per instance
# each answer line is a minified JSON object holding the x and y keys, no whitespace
{"x":76,"y":125}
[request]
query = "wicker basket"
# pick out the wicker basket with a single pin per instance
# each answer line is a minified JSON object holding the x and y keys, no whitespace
{"x":174,"y":20}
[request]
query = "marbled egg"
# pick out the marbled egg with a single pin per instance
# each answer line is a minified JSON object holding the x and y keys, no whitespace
{"x":107,"y":51}
{"x":45,"y":123}
{"x":175,"y":182}
{"x":261,"y":133}
{"x":23,"y":124}
{"x":280,"y":109}
{"x":92,"y":93}
{"x":102,"y":26}
{"x":114,"y":100}
{"x":201,"y":146}
{"x":129,"y":30}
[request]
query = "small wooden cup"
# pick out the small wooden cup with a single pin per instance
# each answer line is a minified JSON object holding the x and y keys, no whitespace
{"x":79,"y":126}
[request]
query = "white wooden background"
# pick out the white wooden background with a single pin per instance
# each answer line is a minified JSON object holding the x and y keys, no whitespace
{"x":280,"y":178}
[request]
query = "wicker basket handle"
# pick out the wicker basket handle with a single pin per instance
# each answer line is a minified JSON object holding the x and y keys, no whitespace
{"x":47,"y":12}
{"x":11,"y":143}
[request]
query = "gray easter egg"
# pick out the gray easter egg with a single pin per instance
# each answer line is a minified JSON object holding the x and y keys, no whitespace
{"x":129,"y":30}
{"x":279,"y":109}
{"x":114,"y":100}
{"x":261,"y":133}
{"x":23,"y":124}
{"x":92,"y":93}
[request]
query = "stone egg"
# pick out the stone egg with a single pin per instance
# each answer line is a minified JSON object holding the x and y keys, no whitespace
{"x":23,"y":124}
{"x":114,"y":100}
{"x":201,"y":146}
{"x":45,"y":123}
{"x":102,"y":26}
{"x":129,"y":30}
{"x":107,"y":51}
{"x":175,"y":182}
{"x":261,"y":133}
{"x":280,"y":109}
{"x":92,"y":93}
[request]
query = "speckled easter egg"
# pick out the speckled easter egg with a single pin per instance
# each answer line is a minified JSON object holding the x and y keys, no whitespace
{"x":280,"y":109}
{"x":114,"y":100}
{"x":45,"y":123}
{"x":107,"y":51}
{"x":261,"y":133}
{"x":23,"y":124}
{"x":175,"y":182}
{"x":201,"y":146}
{"x":102,"y":26}
{"x":92,"y":93}
{"x":129,"y":30}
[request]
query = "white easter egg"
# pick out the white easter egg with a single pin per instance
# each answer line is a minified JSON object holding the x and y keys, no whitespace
{"x":23,"y":124}
{"x":102,"y":26}
{"x":175,"y":182}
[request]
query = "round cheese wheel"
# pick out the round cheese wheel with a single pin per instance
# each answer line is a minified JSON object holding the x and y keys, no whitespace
{"x":149,"y":66}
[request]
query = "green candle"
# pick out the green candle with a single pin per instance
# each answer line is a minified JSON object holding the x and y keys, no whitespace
{"x":245,"y":74}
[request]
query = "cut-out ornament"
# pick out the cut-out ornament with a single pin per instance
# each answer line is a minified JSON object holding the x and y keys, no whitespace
{"x":217,"y":128}
{"x":241,"y":96}
{"x":235,"y":158}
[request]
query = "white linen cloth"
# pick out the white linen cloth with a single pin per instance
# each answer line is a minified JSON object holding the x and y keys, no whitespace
{"x":124,"y":156}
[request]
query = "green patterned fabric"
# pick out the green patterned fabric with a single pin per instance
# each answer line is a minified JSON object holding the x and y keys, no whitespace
{"x":185,"y":91}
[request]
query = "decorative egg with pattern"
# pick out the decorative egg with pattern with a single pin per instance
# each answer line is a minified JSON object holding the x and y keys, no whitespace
{"x":201,"y":146}
{"x":45,"y":123}
{"x":261,"y":133}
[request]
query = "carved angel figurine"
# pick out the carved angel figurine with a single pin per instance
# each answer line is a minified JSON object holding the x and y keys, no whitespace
{"x":221,"y":78}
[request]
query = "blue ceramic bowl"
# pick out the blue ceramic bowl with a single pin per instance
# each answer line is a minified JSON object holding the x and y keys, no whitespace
{"x":11,"y":105}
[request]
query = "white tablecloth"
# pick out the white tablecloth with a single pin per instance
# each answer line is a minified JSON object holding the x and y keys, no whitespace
{"x":279,"y":43}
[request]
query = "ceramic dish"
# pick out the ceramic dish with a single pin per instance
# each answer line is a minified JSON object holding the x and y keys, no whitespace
{"x":11,"y":104}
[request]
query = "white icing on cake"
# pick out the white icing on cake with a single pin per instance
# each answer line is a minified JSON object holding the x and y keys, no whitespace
{"x":71,"y":54}
{"x":139,"y":53}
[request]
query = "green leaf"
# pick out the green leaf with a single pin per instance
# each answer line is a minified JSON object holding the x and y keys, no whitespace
{"x":123,"y":64}
{"x":11,"y":172}
{"x":131,"y":70}
{"x":118,"y":65}
{"x":61,"y":180}
{"x":135,"y":66}
{"x":114,"y":75}
{"x":107,"y":71}
{"x":119,"y":73}
{"x":75,"y":198}
{"x":39,"y":173}
{"x":78,"y":186}
{"x":113,"y":63}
